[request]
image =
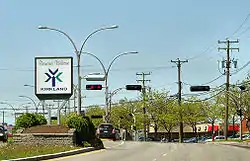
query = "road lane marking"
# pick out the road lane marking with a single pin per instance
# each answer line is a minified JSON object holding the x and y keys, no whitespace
{"x":165,"y":154}
{"x":77,"y":155}
{"x":115,"y":145}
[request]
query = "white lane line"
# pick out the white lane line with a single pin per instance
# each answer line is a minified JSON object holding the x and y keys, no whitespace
{"x":165,"y":154}
{"x":115,"y":145}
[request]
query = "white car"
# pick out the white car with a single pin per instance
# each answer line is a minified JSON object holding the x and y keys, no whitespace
{"x":219,"y":138}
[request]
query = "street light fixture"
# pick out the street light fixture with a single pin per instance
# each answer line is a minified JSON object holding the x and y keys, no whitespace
{"x":78,"y":53}
{"x":27,"y":85}
{"x":106,"y":73}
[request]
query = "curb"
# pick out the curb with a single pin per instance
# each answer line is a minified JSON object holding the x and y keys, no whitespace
{"x":233,"y":144}
{"x":237,"y":145}
{"x":56,"y":155}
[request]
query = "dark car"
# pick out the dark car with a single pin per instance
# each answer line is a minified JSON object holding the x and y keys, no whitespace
{"x":3,"y":134}
{"x":106,"y":130}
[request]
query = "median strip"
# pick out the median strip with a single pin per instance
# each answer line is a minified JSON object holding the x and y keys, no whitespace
{"x":56,"y":155}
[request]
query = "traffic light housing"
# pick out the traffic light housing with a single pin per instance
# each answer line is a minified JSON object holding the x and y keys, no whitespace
{"x":94,"y":87}
{"x":199,"y":88}
{"x":242,"y":87}
{"x":134,"y":87}
{"x":96,"y":116}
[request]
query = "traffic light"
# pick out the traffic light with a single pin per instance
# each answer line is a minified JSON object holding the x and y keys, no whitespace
{"x":242,"y":87}
{"x":134,"y":87}
{"x":199,"y":88}
{"x":96,"y":116}
{"x":94,"y":87}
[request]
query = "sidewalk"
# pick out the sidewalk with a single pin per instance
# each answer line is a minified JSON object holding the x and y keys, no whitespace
{"x":238,"y":144}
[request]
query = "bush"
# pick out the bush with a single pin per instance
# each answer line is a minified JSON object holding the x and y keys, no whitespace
{"x":28,"y":120}
{"x":85,"y":129}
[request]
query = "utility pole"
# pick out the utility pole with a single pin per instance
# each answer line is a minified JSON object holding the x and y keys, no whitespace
{"x":3,"y":118}
{"x":228,"y":62}
{"x":143,"y":80}
{"x":179,"y":63}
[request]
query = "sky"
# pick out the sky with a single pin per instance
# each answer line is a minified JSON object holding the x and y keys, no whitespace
{"x":160,"y":30}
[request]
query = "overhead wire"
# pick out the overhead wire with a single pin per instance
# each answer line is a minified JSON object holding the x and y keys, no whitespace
{"x":241,"y":25}
{"x":149,"y":68}
{"x":205,"y":98}
{"x":212,"y":47}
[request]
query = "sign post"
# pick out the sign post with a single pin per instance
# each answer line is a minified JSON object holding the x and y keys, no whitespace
{"x":53,"y":79}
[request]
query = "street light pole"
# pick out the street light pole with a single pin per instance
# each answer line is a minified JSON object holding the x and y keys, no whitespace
{"x":111,"y":94}
{"x":78,"y":54}
{"x":106,"y":73}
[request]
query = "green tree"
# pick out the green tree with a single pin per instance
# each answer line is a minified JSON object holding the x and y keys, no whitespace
{"x":193,"y":113}
{"x":96,"y":110}
{"x":169,"y":116}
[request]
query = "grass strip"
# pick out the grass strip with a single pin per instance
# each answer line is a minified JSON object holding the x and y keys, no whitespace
{"x":11,"y":151}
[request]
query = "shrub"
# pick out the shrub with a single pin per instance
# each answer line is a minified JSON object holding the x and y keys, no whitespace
{"x":85,"y":129}
{"x":28,"y":120}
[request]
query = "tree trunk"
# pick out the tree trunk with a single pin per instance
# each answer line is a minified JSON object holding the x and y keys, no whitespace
{"x":169,"y":136}
{"x":156,"y":130}
{"x":195,"y":131}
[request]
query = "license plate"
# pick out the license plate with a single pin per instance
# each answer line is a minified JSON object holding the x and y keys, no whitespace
{"x":105,"y":131}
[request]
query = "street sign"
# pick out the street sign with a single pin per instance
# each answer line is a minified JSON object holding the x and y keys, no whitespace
{"x":199,"y":88}
{"x":134,"y":87}
{"x":53,"y":78}
{"x":95,"y":77}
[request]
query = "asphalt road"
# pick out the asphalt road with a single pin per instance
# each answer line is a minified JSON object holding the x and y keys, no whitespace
{"x":149,"y":151}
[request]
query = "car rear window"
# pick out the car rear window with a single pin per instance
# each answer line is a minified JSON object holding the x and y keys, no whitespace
{"x":106,"y":127}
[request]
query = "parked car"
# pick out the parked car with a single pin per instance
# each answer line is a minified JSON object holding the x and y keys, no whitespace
{"x":164,"y":140}
{"x":106,"y":130}
{"x":3,"y":134}
{"x":216,"y":138}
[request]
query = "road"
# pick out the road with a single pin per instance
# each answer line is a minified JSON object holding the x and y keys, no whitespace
{"x":150,"y":151}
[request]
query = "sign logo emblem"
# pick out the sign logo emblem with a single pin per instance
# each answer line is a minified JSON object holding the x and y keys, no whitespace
{"x":53,"y":76}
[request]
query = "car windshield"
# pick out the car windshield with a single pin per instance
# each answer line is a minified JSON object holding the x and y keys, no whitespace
{"x":105,"y":127}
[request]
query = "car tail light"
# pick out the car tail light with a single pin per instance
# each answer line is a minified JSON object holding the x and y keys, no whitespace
{"x":98,"y":131}
{"x":113,"y":131}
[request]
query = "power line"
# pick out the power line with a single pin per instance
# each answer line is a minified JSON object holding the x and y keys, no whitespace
{"x":244,"y":66}
{"x":238,"y":29}
{"x":207,"y":82}
{"x":212,"y":47}
{"x":142,"y":68}
{"x":206,"y":98}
